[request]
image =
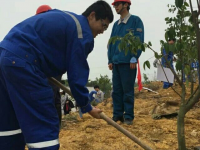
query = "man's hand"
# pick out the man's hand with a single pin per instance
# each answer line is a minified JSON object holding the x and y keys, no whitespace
{"x":110,"y":66}
{"x":95,"y":112}
{"x":133,"y":65}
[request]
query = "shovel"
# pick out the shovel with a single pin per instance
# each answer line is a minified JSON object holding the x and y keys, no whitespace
{"x":104,"y":117}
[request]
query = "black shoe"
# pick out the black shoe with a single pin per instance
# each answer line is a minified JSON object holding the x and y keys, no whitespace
{"x":128,"y":121}
{"x":118,"y":119}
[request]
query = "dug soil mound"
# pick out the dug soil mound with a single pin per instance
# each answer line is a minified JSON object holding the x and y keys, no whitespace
{"x":155,"y":130}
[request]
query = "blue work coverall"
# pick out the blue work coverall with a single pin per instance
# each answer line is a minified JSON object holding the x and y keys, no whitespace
{"x":42,"y":46}
{"x":123,"y":77}
{"x":169,"y":56}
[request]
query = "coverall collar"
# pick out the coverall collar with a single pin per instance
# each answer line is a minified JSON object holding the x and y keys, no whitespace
{"x":125,"y":19}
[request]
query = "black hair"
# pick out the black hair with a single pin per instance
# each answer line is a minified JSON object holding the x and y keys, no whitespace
{"x":96,"y":86}
{"x":102,"y":10}
{"x":128,"y":7}
{"x":173,"y":39}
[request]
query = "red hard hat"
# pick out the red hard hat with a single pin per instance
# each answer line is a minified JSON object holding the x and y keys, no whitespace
{"x":43,"y":8}
{"x":128,"y":1}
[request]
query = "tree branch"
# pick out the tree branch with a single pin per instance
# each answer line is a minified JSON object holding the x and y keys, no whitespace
{"x":192,"y":95}
{"x":193,"y":101}
{"x":175,"y":75}
{"x":191,"y":6}
{"x":164,"y":72}
{"x":198,"y":5}
{"x":168,"y":81}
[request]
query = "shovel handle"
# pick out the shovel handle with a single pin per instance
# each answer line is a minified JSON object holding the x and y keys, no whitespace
{"x":104,"y":117}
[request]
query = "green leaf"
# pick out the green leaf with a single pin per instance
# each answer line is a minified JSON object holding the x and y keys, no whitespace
{"x":178,"y":46}
{"x":158,"y":56}
{"x":143,"y":48}
{"x":119,"y":47}
{"x":187,"y":82}
{"x":171,"y":33}
{"x":126,"y":50}
{"x":179,"y":3}
{"x":149,"y":43}
{"x":187,"y":70}
{"x":148,"y":64}
{"x":162,"y":42}
{"x":186,"y":4}
{"x":166,"y":36}
{"x":129,"y":42}
{"x":166,"y":47}
{"x":144,"y":65}
{"x":178,"y":65}
{"x":166,"y":19}
{"x":172,"y":47}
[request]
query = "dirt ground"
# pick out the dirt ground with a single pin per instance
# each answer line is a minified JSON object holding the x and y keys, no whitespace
{"x":159,"y":134}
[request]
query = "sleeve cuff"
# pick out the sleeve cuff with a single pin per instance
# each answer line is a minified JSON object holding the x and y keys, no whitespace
{"x":133,"y":60}
{"x":86,"y":108}
{"x":109,"y":61}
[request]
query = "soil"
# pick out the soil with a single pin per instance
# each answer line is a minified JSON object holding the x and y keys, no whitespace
{"x":160,"y":133}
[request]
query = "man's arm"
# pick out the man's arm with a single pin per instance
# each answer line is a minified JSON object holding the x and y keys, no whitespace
{"x":78,"y":73}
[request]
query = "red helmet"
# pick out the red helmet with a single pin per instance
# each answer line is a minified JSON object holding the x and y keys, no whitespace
{"x":43,"y":8}
{"x":128,"y":1}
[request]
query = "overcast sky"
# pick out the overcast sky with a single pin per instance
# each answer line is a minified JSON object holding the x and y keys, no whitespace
{"x":152,"y":13}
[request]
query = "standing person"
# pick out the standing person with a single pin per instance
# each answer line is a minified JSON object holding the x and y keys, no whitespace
{"x":169,"y":57}
{"x":124,"y":66}
{"x":42,"y":46}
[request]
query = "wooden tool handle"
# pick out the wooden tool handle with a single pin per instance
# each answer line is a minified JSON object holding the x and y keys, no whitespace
{"x":104,"y":117}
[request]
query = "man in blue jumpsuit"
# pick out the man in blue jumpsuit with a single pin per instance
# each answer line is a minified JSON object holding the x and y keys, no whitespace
{"x":42,"y":46}
{"x":169,"y":57}
{"x":124,"y":66}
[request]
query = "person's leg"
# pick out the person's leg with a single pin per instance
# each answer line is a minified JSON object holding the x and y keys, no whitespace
{"x":117,"y":95}
{"x":166,"y":85}
{"x":11,"y":137}
{"x":128,"y":80}
{"x":32,"y":99}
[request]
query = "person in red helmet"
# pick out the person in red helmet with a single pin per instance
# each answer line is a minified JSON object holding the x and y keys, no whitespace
{"x":42,"y":9}
{"x":124,"y":66}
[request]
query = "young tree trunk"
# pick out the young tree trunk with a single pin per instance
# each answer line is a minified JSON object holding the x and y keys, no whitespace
{"x":181,"y":128}
{"x":180,"y":122}
{"x":192,"y":85}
